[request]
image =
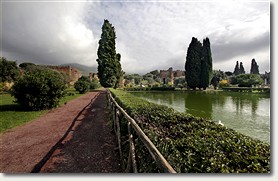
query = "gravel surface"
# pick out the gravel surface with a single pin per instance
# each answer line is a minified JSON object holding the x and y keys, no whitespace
{"x":74,"y":138}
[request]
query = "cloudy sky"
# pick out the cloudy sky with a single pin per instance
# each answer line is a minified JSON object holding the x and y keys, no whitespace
{"x":150,"y":34}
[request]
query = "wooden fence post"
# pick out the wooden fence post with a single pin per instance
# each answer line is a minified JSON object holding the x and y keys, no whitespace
{"x":161,"y":162}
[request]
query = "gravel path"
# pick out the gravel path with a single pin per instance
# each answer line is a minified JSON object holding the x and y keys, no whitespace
{"x":73,"y":138}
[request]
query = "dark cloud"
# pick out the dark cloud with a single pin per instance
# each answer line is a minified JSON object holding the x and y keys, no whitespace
{"x":150,"y":35}
{"x":226,"y":51}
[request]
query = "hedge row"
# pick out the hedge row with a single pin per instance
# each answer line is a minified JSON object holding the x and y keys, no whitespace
{"x":193,"y":145}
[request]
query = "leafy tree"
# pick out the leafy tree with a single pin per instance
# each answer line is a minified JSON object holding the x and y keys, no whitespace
{"x":241,"y":68}
{"x":109,"y":66}
{"x":217,"y":75}
{"x":8,"y":70}
{"x":236,"y":70}
{"x":134,"y":77}
{"x":82,"y":85}
{"x":40,"y":89}
{"x":193,"y":63}
{"x":206,"y":65}
{"x":180,"y":82}
{"x":198,"y":65}
{"x":228,"y":73}
{"x":254,"y":67}
{"x":94,"y":84}
{"x":26,"y":64}
{"x":215,"y":81}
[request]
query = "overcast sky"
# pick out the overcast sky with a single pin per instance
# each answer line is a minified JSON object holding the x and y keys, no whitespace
{"x":150,"y":35}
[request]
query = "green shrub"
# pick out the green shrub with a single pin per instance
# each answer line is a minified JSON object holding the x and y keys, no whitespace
{"x":247,"y":80}
{"x":38,"y":90}
{"x":82,"y":86}
{"x":193,"y":145}
{"x":94,"y":84}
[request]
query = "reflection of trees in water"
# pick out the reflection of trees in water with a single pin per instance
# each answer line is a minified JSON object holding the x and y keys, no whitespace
{"x":245,"y":100}
{"x":201,"y":103}
{"x":198,"y":104}
{"x":218,"y":98}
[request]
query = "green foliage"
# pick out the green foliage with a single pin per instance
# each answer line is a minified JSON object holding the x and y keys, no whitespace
{"x":25,"y":65}
{"x":9,"y":71}
{"x":193,"y":145}
{"x":180,"y":82}
{"x":40,"y":89}
{"x":254,"y":67}
{"x":193,"y":63}
{"x":94,"y":84}
{"x":12,"y":114}
{"x":241,"y":68}
{"x":109,"y":66}
{"x":236,"y":70}
{"x":247,"y":80}
{"x":133,"y":78}
{"x":206,"y":65}
{"x":217,"y":75}
{"x":82,"y":85}
{"x":198,"y":65}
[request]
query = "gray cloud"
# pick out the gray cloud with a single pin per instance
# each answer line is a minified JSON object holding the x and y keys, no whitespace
{"x":225,"y":51}
{"x":48,"y":33}
{"x":150,"y":35}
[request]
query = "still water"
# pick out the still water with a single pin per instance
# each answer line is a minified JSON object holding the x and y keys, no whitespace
{"x":245,"y":112}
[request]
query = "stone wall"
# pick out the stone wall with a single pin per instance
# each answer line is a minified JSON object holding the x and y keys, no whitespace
{"x":73,"y":73}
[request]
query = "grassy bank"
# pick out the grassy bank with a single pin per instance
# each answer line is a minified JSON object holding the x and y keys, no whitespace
{"x":192,"y":144}
{"x":12,"y":114}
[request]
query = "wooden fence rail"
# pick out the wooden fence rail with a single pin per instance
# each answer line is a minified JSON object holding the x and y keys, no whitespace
{"x":160,"y":161}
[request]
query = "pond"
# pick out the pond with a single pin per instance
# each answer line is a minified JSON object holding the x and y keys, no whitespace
{"x":246,"y":113}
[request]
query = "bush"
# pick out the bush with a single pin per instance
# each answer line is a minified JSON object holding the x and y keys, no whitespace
{"x":224,"y":83}
{"x":38,"y":90}
{"x":9,"y":71}
{"x":247,"y":80}
{"x":94,"y":84}
{"x":193,"y":145}
{"x":82,"y":86}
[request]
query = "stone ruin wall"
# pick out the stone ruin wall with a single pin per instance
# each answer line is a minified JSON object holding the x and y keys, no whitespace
{"x":73,"y":73}
{"x":164,"y":74}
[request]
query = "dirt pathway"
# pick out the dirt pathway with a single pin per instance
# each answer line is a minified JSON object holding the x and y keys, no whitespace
{"x":73,"y":138}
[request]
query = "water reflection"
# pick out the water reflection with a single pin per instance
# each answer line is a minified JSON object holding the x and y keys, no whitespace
{"x":198,"y":104}
{"x":246,"y":113}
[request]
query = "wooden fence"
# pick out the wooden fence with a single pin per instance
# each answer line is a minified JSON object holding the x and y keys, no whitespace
{"x":133,"y":127}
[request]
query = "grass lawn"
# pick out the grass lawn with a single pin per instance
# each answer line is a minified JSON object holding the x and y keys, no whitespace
{"x":11,"y":115}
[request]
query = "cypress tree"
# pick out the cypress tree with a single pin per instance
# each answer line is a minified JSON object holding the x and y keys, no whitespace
{"x":254,"y":67}
{"x":206,"y":65}
{"x":109,"y":66}
{"x":193,"y":63}
{"x":241,"y":69}
{"x":236,"y":70}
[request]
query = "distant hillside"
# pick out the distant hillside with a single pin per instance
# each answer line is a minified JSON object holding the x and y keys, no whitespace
{"x":85,"y":70}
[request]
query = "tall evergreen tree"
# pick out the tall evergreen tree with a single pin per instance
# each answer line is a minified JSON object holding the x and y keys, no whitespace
{"x":254,"y":67}
{"x":109,"y":66}
{"x":236,"y":70}
{"x":241,"y":69}
{"x":206,"y":65}
{"x":193,"y":63}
